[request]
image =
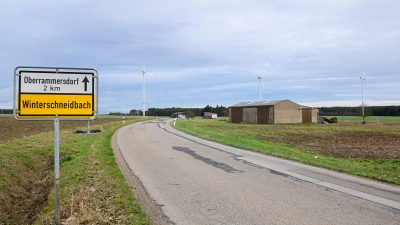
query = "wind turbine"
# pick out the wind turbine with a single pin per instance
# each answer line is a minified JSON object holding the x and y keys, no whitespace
{"x":260,"y":81}
{"x":362,"y":79}
{"x":143,"y":86}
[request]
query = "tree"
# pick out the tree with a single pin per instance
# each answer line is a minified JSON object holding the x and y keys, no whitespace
{"x":133,"y":112}
{"x":189,"y":114}
{"x":342,"y":111}
{"x":6,"y":111}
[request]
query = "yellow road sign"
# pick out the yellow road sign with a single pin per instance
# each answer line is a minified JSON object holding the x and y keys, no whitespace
{"x":64,"y":93}
{"x":52,"y":104}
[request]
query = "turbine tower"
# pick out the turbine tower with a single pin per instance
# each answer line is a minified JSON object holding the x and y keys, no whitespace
{"x":362,"y":79}
{"x":143,"y":86}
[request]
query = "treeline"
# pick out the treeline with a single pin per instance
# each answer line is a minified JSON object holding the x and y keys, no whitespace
{"x":223,"y":111}
{"x":6,"y":111}
{"x":220,"y":110}
{"x":357,"y":111}
{"x":118,"y":114}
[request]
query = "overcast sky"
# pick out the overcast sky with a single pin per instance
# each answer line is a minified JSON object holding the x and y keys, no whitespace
{"x":209,"y":52}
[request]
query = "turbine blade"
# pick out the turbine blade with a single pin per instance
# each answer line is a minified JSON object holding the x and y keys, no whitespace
{"x":135,"y":76}
{"x":367,"y":83}
{"x":364,"y":72}
{"x":265,"y":73}
{"x":252,"y":73}
{"x":151,"y":76}
{"x":363,"y":78}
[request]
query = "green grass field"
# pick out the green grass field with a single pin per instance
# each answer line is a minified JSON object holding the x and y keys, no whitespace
{"x":368,"y":118}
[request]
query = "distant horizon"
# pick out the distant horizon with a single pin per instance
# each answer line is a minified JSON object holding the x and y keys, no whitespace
{"x":320,"y":54}
{"x":229,"y":106}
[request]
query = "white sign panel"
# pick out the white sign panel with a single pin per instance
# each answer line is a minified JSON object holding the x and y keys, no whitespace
{"x":56,"y":83}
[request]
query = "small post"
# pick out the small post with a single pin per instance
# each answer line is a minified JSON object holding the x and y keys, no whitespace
{"x":123,"y":120}
{"x":88,"y":126}
{"x":57,"y":171}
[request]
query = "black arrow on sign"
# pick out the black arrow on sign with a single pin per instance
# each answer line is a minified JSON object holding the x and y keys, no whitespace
{"x":85,"y":81}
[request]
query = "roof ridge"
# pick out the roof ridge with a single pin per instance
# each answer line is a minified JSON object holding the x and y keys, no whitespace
{"x":260,"y":103}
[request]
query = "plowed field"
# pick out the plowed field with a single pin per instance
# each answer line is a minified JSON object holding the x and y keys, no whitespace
{"x":11,"y":129}
{"x":345,"y":140}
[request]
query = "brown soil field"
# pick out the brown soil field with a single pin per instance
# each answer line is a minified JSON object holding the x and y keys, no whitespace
{"x":345,"y":140}
{"x":12,"y":129}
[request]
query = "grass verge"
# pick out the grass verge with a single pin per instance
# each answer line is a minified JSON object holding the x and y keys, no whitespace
{"x":310,"y":147}
{"x":92,"y":188}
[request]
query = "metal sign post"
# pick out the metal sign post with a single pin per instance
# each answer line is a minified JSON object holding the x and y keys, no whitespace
{"x":55,"y":93}
{"x":57,"y":170}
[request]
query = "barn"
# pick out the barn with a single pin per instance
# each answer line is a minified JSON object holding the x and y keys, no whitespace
{"x":209,"y":115}
{"x":178,"y":115}
{"x":272,"y":112}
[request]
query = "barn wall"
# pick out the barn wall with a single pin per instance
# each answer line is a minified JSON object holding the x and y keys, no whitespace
{"x":283,"y":112}
{"x":265,"y":115}
{"x":312,"y":115}
{"x":307,"y":115}
{"x":249,"y":115}
{"x":315,"y":116}
{"x":262,"y":115}
{"x":271,"y":115}
{"x":210,"y":115}
{"x":287,"y":112}
{"x":235,"y":115}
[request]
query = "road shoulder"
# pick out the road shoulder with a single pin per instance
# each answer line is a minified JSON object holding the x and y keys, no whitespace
{"x":152,"y":210}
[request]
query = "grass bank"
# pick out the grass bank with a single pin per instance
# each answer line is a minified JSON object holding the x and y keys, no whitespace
{"x":370,"y":151}
{"x":92,"y":188}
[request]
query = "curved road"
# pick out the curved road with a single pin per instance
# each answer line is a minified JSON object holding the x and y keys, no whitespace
{"x":201,"y":182}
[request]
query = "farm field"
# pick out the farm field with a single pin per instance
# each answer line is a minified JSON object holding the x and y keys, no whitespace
{"x":372,"y":119}
{"x":93,"y":189}
{"x":369,"y":150}
{"x":12,"y":129}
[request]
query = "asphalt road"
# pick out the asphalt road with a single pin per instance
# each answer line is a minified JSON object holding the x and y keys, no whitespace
{"x":201,"y":182}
